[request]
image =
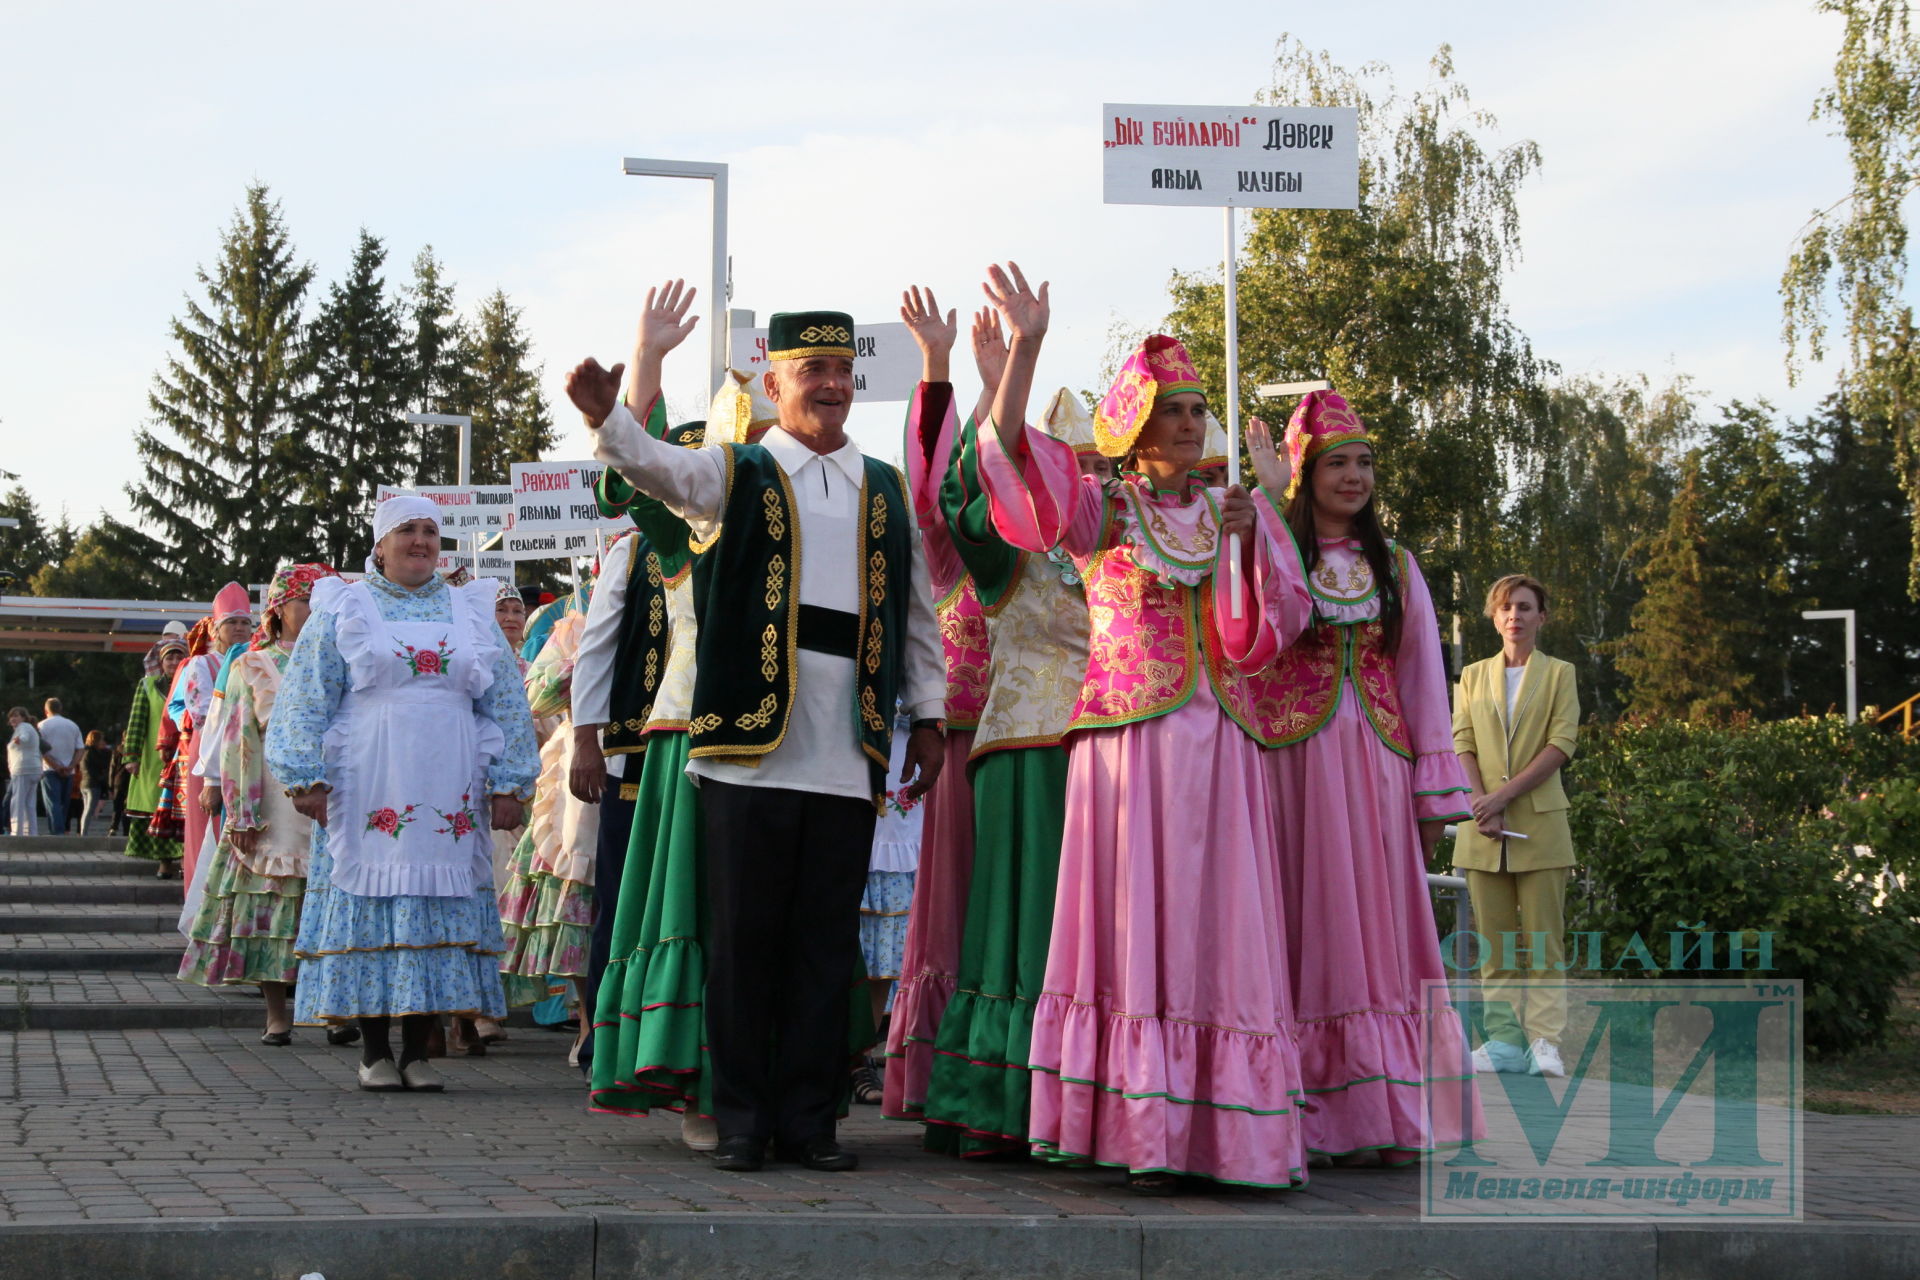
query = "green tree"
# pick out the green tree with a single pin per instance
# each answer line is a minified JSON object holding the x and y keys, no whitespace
{"x":437,"y":374}
{"x":1751,"y":498}
{"x":1588,"y":495}
{"x":355,"y":438}
{"x":27,"y":547}
{"x":1852,"y":554}
{"x":511,"y":422}
{"x":1853,"y":254}
{"x":1398,"y":302}
{"x":1681,"y":663}
{"x":219,"y":477}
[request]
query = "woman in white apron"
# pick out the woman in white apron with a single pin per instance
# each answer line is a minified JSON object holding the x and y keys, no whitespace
{"x":402,"y":729}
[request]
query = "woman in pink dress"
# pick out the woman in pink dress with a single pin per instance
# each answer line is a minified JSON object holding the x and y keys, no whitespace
{"x":1364,"y":780}
{"x":1163,"y":1038}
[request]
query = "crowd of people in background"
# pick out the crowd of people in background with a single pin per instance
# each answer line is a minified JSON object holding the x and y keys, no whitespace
{"x":1064,"y":797}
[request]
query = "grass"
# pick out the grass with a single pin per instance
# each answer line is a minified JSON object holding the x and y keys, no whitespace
{"x":1883,"y":1080}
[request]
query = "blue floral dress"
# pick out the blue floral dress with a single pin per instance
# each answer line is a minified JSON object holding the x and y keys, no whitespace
{"x":370,"y":955}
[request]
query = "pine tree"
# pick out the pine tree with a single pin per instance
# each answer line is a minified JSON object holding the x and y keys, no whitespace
{"x":1678,"y":652}
{"x":511,"y":422}
{"x":1750,"y":504}
{"x":437,"y":373}
{"x":219,"y":473}
{"x":356,"y":436}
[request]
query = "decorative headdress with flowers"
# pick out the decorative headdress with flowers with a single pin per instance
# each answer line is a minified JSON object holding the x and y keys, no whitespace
{"x":1161,"y":367}
{"x":292,"y":582}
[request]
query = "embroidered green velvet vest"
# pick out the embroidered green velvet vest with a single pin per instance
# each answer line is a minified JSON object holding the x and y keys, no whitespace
{"x":640,"y":652}
{"x":746,"y":591}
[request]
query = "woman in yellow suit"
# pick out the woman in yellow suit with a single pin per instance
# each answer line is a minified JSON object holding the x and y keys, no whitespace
{"x":1515,"y":716}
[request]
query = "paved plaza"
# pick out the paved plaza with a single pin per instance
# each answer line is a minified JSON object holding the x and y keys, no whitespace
{"x":130,"y":1098}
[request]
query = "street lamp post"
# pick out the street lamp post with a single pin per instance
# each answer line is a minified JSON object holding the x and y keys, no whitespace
{"x":717,"y":296}
{"x":465,"y":464}
{"x":1818,"y":615}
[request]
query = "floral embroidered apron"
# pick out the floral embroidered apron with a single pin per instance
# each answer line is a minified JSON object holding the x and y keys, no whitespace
{"x":407,"y":754}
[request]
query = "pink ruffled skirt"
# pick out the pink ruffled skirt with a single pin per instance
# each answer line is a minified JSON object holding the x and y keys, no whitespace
{"x":1382,"y":1073}
{"x":1163,"y":1038}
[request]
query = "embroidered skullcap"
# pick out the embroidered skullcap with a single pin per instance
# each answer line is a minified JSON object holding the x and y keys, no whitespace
{"x":1323,"y":420}
{"x":796,"y":335}
{"x":1214,"y":450}
{"x":1160,"y":367}
{"x":1068,"y":421}
{"x":740,"y":412}
{"x":232,"y":602}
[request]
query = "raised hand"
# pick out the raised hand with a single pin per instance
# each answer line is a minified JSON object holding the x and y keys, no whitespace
{"x":921,"y":313}
{"x":664,"y":324}
{"x":1026,"y":312}
{"x":593,"y":390}
{"x":989,"y":348}
{"x":1271,"y":468}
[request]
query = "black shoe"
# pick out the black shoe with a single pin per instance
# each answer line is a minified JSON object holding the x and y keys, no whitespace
{"x":343,"y":1033}
{"x":822,"y":1155}
{"x":279,"y":1039}
{"x":740,"y":1155}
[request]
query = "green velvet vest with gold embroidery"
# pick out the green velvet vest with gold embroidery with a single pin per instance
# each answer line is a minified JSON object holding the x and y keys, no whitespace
{"x":746,"y":591}
{"x":640,"y":652}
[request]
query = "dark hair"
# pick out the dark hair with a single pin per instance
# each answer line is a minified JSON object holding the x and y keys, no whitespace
{"x":1373,"y":545}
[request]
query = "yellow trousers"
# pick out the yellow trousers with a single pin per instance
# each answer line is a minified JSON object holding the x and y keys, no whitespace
{"x":1522,"y":915}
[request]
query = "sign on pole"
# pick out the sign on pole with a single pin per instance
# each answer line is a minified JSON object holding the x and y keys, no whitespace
{"x":553,"y":544}
{"x":549,"y":496}
{"x":886,"y":363}
{"x":483,"y":508}
{"x":487,"y":564}
{"x":1252,"y":157}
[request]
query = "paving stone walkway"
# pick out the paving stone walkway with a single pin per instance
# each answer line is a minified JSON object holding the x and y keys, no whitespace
{"x":207,"y":1122}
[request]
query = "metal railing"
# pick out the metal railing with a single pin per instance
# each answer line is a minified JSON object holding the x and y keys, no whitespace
{"x":1906,"y":713}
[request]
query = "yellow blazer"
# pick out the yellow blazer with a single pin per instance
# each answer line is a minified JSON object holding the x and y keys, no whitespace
{"x":1546,"y":713}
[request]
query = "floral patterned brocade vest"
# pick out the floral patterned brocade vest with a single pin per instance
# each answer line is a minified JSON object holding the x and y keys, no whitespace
{"x":1149,"y":609}
{"x":963,"y":639}
{"x":1299,"y":693}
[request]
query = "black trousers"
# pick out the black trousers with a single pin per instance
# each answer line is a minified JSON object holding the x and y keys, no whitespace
{"x":785,"y":870}
{"x":609,"y":861}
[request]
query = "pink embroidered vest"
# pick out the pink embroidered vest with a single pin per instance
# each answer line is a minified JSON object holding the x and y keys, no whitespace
{"x":1149,"y":638}
{"x":1299,"y":693}
{"x":963,"y":637}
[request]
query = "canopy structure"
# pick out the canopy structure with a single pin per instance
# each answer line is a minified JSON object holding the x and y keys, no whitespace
{"x":53,"y":625}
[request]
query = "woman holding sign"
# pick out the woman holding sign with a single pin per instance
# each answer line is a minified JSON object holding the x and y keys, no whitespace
{"x":402,"y":730}
{"x":1163,"y":1037}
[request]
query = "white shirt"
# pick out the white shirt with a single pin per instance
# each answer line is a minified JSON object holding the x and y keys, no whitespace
{"x":23,"y":752}
{"x":63,"y":739}
{"x":1514,"y":676}
{"x":593,"y":662}
{"x":820,"y":752}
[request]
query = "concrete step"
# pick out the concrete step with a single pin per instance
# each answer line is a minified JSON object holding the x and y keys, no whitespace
{"x":62,"y":844}
{"x":96,"y":863}
{"x":142,"y":891}
{"x":73,"y":1000}
{"x":143,"y":952}
{"x":70,"y":917}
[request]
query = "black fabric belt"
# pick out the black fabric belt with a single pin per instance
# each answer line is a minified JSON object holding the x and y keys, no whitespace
{"x":831,"y":631}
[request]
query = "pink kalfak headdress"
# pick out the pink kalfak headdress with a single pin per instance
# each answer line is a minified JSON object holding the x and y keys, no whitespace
{"x":1161,"y":367}
{"x":1322,"y":421}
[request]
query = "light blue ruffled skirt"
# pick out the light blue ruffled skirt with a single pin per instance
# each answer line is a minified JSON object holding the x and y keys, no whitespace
{"x":373,"y":957}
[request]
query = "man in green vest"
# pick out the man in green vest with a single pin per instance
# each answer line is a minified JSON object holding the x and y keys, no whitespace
{"x":815,"y":620}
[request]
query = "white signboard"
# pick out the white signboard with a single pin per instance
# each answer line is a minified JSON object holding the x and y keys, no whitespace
{"x":492,"y":564}
{"x":485,"y":508}
{"x":1251,"y":157}
{"x":552,"y":496}
{"x":886,"y":359}
{"x":554,"y":544}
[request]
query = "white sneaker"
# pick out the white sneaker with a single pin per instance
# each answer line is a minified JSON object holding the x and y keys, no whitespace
{"x":700,"y":1133}
{"x":381,"y":1077}
{"x":1546,"y":1059}
{"x":1498,"y":1055}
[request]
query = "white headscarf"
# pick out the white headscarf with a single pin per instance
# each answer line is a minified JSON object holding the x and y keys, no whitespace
{"x":396,"y":511}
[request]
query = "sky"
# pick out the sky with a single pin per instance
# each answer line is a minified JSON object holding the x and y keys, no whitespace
{"x":870,"y":146}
